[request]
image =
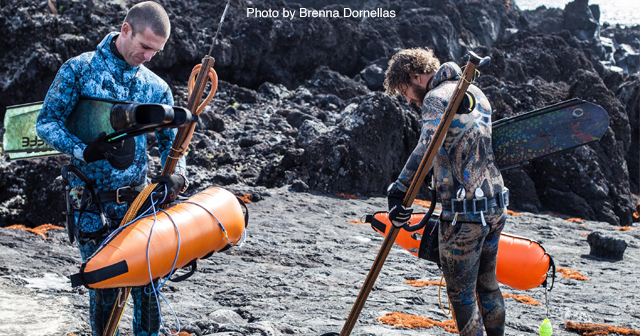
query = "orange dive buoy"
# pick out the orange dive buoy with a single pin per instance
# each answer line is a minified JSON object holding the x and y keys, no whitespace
{"x":522,"y":263}
{"x":198,"y":231}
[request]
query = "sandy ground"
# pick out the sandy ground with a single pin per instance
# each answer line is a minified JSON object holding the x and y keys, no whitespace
{"x":301,"y":270}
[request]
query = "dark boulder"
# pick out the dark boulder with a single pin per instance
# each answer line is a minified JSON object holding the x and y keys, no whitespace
{"x":546,"y":20}
{"x":274,"y":91}
{"x":364,"y":153}
{"x":373,"y":75}
{"x":209,"y":120}
{"x":627,"y":91}
{"x":297,"y":118}
{"x":326,"y":81}
{"x":580,"y":21}
{"x":299,"y":186}
{"x":29,"y":187}
{"x":606,"y":247}
{"x":616,"y":206}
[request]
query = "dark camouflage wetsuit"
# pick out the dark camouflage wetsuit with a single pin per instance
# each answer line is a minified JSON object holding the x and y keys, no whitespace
{"x":468,"y":250}
{"x":100,"y":74}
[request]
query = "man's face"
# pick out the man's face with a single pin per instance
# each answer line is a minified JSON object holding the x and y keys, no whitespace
{"x":414,"y":93}
{"x":416,"y":89}
{"x":140,"y":48}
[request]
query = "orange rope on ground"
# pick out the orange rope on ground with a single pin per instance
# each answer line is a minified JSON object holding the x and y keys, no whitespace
{"x":246,"y":198}
{"x":575,"y":220}
{"x":422,"y":283}
{"x":402,"y":320}
{"x":345,"y":195}
{"x":571,"y":274}
{"x":626,"y":228}
{"x":182,"y":333}
{"x":357,"y":221}
{"x":513,"y":213}
{"x":588,"y":329}
{"x":40,"y":230}
{"x":523,"y":299}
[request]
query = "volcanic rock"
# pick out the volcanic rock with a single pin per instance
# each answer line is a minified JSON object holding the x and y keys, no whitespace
{"x":361,"y":153}
{"x":319,"y":72}
{"x":607,"y":247}
{"x":579,"y":19}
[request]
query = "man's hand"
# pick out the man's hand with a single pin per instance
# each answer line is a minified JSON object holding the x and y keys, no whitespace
{"x":175,"y":185}
{"x":99,"y":148}
{"x":398,"y":214}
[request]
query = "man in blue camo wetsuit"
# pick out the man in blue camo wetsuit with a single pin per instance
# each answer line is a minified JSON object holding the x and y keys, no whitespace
{"x":114,"y":71}
{"x":465,"y":173}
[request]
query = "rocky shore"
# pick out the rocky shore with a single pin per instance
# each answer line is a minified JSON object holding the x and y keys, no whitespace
{"x":301,"y":269}
{"x":300,"y":104}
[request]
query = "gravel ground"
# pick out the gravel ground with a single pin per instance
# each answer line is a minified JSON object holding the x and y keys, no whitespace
{"x":301,"y":270}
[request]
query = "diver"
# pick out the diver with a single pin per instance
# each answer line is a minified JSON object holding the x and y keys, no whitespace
{"x":117,"y":171}
{"x":468,"y":183}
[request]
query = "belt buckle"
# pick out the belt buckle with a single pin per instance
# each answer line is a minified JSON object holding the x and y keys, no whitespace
{"x":478,"y":209}
{"x":118,"y":194}
{"x":455,"y":206}
{"x":504,"y":198}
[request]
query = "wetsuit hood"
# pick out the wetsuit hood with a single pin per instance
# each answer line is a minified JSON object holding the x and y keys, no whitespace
{"x":447,"y":71}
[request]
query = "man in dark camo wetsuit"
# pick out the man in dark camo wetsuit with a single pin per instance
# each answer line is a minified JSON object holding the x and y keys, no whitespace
{"x":465,"y":174}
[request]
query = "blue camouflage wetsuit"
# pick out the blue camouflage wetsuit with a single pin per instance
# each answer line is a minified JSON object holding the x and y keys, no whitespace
{"x":100,"y":74}
{"x":468,"y":249}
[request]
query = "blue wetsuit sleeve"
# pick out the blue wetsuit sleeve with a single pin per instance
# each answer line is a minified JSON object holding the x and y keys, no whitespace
{"x":61,"y":99}
{"x":165,"y":139}
{"x":432,"y":112}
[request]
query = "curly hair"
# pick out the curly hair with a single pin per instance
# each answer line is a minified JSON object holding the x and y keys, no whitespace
{"x":406,"y":62}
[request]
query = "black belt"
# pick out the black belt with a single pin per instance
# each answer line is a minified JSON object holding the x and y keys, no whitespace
{"x":120,"y":195}
{"x":499,"y":200}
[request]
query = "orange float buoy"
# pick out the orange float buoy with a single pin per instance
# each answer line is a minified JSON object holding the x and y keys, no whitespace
{"x":522,"y":263}
{"x":191,"y":229}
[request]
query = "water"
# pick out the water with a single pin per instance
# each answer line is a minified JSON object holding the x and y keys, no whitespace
{"x":624,"y":12}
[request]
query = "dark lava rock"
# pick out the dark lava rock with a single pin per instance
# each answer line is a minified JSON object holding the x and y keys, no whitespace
{"x":274,"y":91}
{"x":210,"y":121}
{"x":309,"y":131}
{"x":627,"y":91}
{"x":326,"y":81}
{"x":299,"y":186}
{"x":297,"y":118}
{"x":579,"y":19}
{"x":365,"y":151}
{"x":605,"y":246}
{"x":32,"y":192}
{"x":373,"y":75}
{"x":317,"y":74}
{"x":225,"y":176}
{"x":249,"y":141}
{"x":546,"y":20}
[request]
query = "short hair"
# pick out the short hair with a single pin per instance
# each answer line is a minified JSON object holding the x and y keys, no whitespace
{"x":148,"y":14}
{"x":406,"y":62}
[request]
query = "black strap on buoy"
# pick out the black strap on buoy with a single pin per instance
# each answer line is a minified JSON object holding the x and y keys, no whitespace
{"x":194,"y":267}
{"x":86,"y":279}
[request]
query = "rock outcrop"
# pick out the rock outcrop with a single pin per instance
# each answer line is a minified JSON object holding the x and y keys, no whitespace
{"x":299,"y":101}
